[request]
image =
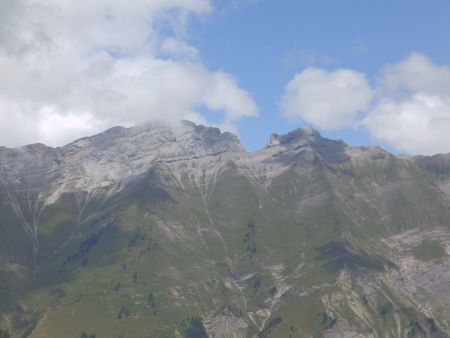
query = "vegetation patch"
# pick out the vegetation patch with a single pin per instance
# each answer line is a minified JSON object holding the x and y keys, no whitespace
{"x":193,"y":328}
{"x":124,"y":313}
{"x":270,"y":325}
{"x":137,"y":239}
{"x":327,"y":320}
{"x":249,"y":240}
{"x":339,"y":255}
{"x":385,"y":309}
{"x":429,"y":250}
{"x":415,"y":330}
{"x":87,"y":245}
{"x":4,"y":334}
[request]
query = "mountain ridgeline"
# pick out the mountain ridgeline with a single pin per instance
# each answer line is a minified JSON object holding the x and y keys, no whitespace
{"x":154,"y":231}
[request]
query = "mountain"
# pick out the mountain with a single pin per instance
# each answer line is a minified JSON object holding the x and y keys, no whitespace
{"x":155,"y":231}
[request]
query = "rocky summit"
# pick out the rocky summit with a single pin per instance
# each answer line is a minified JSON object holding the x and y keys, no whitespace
{"x":158,"y":231}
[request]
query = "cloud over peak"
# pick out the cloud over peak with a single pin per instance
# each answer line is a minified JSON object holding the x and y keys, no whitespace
{"x":74,"y":67}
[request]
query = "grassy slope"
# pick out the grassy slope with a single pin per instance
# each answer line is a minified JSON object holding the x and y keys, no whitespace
{"x":157,"y":255}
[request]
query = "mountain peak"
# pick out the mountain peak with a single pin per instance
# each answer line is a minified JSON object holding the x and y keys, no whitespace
{"x":295,"y":136}
{"x":213,"y":136}
{"x":182,"y":137}
{"x":311,"y":140}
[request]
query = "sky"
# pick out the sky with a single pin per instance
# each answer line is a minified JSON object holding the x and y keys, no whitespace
{"x":367,"y":72}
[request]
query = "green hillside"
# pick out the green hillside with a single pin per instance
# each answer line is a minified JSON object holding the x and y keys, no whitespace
{"x":345,"y":246}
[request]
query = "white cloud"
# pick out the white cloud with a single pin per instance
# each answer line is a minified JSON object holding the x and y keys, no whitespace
{"x":416,"y":73}
{"x":328,"y":100}
{"x":54,"y":127}
{"x":417,"y":124}
{"x":412,"y":111}
{"x":173,"y":46}
{"x":224,"y":94}
{"x":71,"y":68}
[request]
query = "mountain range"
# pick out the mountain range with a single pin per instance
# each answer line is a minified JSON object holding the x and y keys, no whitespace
{"x":162,"y":231}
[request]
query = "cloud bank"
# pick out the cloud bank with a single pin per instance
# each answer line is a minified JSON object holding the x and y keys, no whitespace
{"x":327,"y":99}
{"x":72,"y":68}
{"x":408,"y":107}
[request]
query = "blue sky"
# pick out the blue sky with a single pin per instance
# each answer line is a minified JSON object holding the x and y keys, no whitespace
{"x":264,"y":43}
{"x":367,"y":72}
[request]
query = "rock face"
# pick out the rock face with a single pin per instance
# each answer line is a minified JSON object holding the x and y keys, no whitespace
{"x":35,"y":176}
{"x":113,"y":157}
{"x":177,"y":231}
